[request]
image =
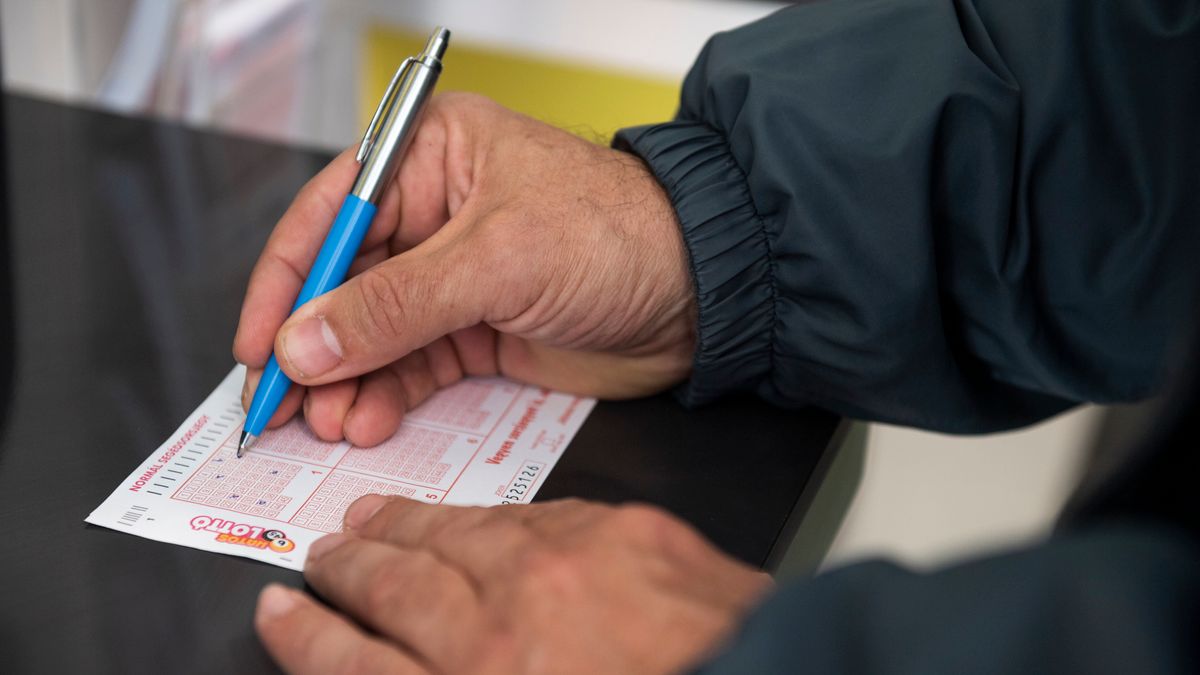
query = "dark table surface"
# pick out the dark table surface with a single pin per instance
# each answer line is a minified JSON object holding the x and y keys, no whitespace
{"x":123,"y":258}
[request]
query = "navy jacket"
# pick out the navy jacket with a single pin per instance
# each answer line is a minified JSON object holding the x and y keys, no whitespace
{"x":963,"y":215}
{"x":1116,"y":589}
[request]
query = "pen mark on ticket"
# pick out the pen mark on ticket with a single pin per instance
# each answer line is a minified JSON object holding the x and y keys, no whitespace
{"x":482,"y":441}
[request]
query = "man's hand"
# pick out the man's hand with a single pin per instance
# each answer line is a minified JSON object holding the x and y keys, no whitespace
{"x":559,"y":587}
{"x":502,"y":246}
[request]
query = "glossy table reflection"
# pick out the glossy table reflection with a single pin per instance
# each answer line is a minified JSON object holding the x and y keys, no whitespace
{"x":129,"y":243}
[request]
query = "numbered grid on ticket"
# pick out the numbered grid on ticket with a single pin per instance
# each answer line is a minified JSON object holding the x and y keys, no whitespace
{"x":480,"y":442}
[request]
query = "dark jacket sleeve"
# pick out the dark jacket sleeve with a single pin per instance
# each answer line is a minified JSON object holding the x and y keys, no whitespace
{"x":963,"y":215}
{"x":1113,"y":599}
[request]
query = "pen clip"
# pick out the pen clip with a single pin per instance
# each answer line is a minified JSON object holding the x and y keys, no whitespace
{"x":384,"y":103}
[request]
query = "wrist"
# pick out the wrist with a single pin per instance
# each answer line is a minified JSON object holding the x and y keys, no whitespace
{"x":727,"y":253}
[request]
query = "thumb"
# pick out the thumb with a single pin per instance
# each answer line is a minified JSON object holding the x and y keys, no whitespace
{"x":377,"y":317}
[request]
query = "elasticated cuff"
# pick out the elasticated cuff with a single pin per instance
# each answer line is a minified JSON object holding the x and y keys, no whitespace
{"x":730,"y":257}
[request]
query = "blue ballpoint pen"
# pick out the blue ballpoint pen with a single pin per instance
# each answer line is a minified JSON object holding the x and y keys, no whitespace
{"x":384,"y":143}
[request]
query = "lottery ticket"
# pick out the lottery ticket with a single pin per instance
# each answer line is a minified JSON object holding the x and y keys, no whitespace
{"x":482,"y":441}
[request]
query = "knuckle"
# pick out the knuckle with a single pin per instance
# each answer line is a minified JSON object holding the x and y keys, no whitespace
{"x":465,"y":521}
{"x":659,"y":531}
{"x":465,"y":100}
{"x":506,"y":530}
{"x":642,"y":521}
{"x":639,"y":516}
{"x":470,"y":518}
{"x":435,"y":591}
{"x":578,"y":504}
{"x":362,"y":662}
{"x":554,"y":573}
{"x":310,"y":191}
{"x":381,"y":524}
{"x":460,"y":98}
{"x":386,"y":591}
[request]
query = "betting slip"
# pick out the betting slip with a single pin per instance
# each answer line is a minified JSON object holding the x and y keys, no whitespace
{"x":482,"y":442}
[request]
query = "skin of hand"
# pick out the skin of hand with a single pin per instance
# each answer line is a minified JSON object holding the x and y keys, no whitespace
{"x":558,"y":587}
{"x":502,"y":246}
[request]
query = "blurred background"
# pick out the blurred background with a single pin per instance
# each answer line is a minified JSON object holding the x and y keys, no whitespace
{"x":309,"y":73}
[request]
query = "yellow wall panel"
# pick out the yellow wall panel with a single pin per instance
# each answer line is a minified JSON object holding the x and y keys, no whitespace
{"x":587,"y":100}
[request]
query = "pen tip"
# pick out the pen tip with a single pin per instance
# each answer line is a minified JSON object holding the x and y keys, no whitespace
{"x":245,"y":442}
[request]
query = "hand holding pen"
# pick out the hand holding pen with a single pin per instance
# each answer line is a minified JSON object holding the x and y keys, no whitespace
{"x":502,"y":246}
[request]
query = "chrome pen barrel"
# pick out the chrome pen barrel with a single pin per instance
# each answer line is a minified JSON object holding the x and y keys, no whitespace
{"x":395,"y":123}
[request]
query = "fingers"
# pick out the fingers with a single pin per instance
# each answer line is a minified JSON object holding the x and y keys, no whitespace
{"x":482,"y":542}
{"x":325,"y":408}
{"x":405,"y":595}
{"x":367,"y":410}
{"x":427,"y":185}
{"x":279,"y":273}
{"x":550,"y":518}
{"x":560,"y":516}
{"x":378,"y":409}
{"x":287,"y":407}
{"x":387,"y":394}
{"x":443,"y":363}
{"x":475,"y":348}
{"x":304,"y":637}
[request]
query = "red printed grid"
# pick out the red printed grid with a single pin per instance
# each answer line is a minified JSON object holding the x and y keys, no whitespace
{"x":251,"y":485}
{"x":295,"y":440}
{"x":459,"y":406}
{"x":328,"y":504}
{"x":414,"y":454}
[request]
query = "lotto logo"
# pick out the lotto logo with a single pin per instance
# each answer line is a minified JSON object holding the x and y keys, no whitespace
{"x":229,"y":532}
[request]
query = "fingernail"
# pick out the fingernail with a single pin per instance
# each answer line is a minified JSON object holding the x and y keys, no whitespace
{"x":311,"y":347}
{"x":325,"y":544}
{"x":362,"y":509}
{"x":275,"y":601}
